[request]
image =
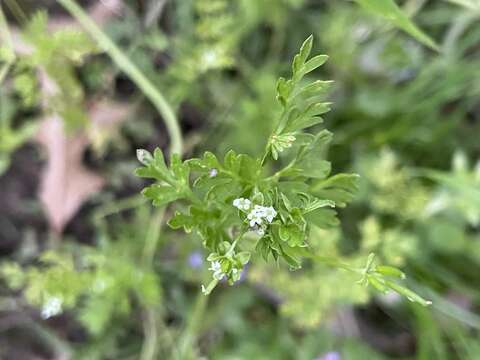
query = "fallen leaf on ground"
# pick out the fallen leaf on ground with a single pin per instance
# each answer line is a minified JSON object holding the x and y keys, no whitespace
{"x":65,"y":182}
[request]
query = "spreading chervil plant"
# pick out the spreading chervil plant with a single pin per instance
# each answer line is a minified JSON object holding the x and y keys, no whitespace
{"x":239,"y":206}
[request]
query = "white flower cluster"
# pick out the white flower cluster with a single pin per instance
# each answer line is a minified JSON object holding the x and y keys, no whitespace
{"x":260,"y":213}
{"x":52,"y":307}
{"x":217,"y":270}
{"x":242,"y":204}
{"x":259,"y":216}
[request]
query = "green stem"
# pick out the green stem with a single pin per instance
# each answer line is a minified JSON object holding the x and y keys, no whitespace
{"x":127,"y":66}
{"x":152,"y":321}
{"x":186,"y":350}
{"x":279,"y":173}
{"x":152,"y":237}
{"x":150,"y":329}
{"x":335,"y":263}
{"x":234,"y":244}
{"x":118,"y":206}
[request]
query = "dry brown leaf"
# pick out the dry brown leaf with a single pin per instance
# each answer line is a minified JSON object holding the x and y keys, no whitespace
{"x":65,"y":183}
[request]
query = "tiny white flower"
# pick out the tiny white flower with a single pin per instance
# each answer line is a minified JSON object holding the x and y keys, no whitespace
{"x":255,"y":219}
{"x":259,"y":210}
{"x":217,"y":270}
{"x":218,"y":275}
{"x":242,"y":204}
{"x":209,"y":58}
{"x":270,"y":213}
{"x":213,"y":172}
{"x":52,"y":307}
{"x":215,"y":266}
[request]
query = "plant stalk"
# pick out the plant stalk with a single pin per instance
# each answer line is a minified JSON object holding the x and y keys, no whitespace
{"x":129,"y":68}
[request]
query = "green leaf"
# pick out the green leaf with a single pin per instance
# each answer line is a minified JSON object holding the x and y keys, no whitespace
{"x":340,"y":188}
{"x":308,"y":118}
{"x":314,"y":89}
{"x":180,"y":170}
{"x":302,"y":56}
{"x":377,"y":284}
{"x":314,"y":63}
{"x":312,"y":167}
{"x":317,"y":204}
{"x":284,"y":89}
{"x":232,"y":162}
{"x":323,"y":218}
{"x":249,"y":167}
{"x":263,"y":248}
{"x":390,"y":271}
{"x":154,"y":168}
{"x":182,"y":220}
{"x":409,"y":294}
{"x":243,"y":257}
{"x":389,"y":10}
{"x":161,"y":194}
{"x":207,"y":163}
{"x":293,"y":255}
{"x":290,"y":234}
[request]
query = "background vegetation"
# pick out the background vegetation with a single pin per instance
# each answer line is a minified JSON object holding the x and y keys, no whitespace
{"x":89,"y":269}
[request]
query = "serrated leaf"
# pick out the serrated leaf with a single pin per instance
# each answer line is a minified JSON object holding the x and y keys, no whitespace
{"x":291,"y":234}
{"x":340,"y":188}
{"x":314,"y":89}
{"x":182,"y":220}
{"x":319,"y":144}
{"x":232,"y":162}
{"x":317,"y":204}
{"x":308,"y":118}
{"x":311,"y":167}
{"x":161,"y":194}
{"x":249,"y":167}
{"x":207,"y":163}
{"x":292,"y":255}
{"x":323,"y":218}
{"x":156,"y":168}
{"x":180,"y":170}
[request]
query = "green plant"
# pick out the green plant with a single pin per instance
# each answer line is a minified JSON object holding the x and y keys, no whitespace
{"x":239,"y":209}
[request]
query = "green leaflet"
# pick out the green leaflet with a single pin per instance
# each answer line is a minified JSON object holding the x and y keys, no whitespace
{"x":161,"y":194}
{"x":340,"y":188}
{"x":323,"y":218}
